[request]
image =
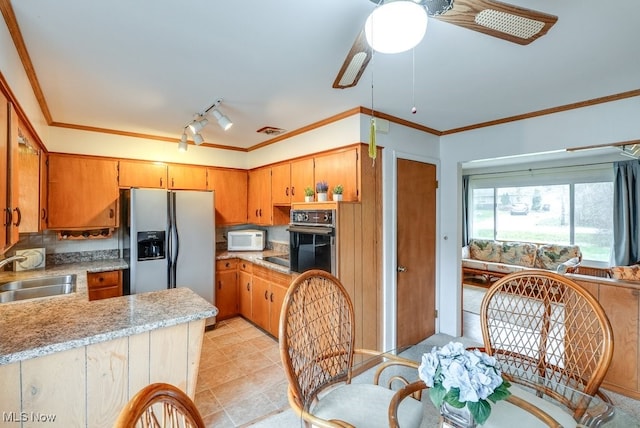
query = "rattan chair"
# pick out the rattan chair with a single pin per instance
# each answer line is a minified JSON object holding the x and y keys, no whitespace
{"x":548,"y":333}
{"x":317,"y":351}
{"x":160,"y":405}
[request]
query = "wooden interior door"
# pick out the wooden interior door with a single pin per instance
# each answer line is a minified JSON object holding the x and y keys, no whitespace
{"x":416,"y":251}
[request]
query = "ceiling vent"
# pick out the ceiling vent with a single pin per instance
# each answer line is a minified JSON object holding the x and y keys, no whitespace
{"x":271,"y":130}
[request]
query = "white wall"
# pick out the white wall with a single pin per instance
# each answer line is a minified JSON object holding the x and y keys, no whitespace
{"x":599,"y":124}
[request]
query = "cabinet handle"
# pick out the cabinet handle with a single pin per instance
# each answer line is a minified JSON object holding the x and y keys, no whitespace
{"x":286,"y":192}
{"x":219,"y":285}
{"x":293,"y":190}
{"x":17,"y":210}
{"x":160,"y":181}
{"x":100,"y":278}
{"x":111,"y":213}
{"x":256,"y":213}
{"x":271,"y":298}
{"x":226,"y":264}
{"x":266,"y":295}
{"x":260,"y":212}
{"x":172,"y":182}
{"x":248,"y":286}
{"x":44,"y":214}
{"x":7,"y":217}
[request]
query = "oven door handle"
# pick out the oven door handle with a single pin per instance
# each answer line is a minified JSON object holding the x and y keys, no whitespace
{"x":318,"y":230}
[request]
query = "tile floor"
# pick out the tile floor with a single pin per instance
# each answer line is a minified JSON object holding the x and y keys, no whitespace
{"x":240,"y":378}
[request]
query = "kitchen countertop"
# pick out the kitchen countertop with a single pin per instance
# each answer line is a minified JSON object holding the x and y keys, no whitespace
{"x":33,"y":328}
{"x":256,"y":257}
{"x":36,"y":327}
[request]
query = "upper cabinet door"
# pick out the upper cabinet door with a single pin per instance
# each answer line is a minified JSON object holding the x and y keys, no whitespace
{"x":29,"y":189}
{"x":281,"y":184}
{"x":13,"y":191}
{"x":187,"y":177}
{"x":230,"y":189}
{"x":301,"y":177}
{"x":339,"y":168}
{"x":149,"y":175}
{"x":83,"y":192}
{"x":4,"y":154}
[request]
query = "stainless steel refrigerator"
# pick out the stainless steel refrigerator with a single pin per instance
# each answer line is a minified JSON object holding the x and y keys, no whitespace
{"x":170,"y":240}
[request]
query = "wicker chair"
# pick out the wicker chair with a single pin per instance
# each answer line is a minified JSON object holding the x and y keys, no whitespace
{"x":317,"y":351}
{"x":547,"y":333}
{"x":160,"y":405}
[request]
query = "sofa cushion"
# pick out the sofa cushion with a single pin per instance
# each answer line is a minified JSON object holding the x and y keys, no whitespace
{"x":518,"y":253}
{"x":491,"y":266}
{"x":627,"y":273}
{"x":551,"y":255}
{"x":488,"y":251}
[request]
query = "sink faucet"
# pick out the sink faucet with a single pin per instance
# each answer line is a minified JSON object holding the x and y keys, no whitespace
{"x":11,"y":259}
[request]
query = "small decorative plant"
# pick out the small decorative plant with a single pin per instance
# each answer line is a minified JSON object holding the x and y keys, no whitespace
{"x":338,"y":189}
{"x":460,"y":378}
{"x":322,"y":187}
{"x":308,"y":191}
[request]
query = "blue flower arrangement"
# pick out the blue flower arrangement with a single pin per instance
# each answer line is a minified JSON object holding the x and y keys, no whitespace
{"x":462,"y":378}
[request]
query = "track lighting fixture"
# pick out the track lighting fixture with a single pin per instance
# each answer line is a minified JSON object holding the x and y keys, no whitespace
{"x":200,"y":121}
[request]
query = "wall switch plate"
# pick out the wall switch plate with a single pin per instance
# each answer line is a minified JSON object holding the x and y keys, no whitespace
{"x":35,"y":259}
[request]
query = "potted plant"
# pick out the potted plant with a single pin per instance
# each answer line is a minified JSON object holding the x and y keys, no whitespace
{"x":337,"y":192}
{"x":308,"y":194}
{"x":321,"y":189}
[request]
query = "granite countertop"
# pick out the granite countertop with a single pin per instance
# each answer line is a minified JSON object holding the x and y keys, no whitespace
{"x":38,"y":327}
{"x":256,"y":257}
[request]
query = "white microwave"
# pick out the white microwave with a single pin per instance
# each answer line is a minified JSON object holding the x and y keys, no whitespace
{"x":245,"y":240}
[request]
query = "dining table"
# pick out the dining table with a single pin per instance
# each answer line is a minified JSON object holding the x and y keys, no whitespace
{"x":594,"y":411}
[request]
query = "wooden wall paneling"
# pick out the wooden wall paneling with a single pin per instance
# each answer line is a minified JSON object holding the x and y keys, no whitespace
{"x":46,"y":391}
{"x":346,"y":254}
{"x":623,"y":371}
{"x":10,"y":392}
{"x":194,"y":350}
{"x":138,"y":367}
{"x":107,"y":381}
{"x":167,"y":350}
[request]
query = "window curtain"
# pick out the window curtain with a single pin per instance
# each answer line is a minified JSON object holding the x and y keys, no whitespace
{"x":465,"y":210}
{"x":626,"y":213}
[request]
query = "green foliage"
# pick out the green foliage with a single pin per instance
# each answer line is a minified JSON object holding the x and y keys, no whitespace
{"x":308,"y":191}
{"x":338,"y":189}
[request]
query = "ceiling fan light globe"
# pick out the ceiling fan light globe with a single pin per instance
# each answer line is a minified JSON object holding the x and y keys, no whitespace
{"x":396,"y":26}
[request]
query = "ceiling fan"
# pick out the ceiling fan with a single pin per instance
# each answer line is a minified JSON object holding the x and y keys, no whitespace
{"x":505,"y":21}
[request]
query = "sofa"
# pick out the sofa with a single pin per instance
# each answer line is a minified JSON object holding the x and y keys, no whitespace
{"x":485,"y":261}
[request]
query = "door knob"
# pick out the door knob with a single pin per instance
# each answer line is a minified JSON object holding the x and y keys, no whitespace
{"x":401,"y":269}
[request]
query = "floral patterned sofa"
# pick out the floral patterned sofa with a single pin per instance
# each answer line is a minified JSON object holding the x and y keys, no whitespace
{"x":489,"y":260}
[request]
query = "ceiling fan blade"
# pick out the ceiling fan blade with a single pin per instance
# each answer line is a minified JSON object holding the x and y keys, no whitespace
{"x":354,"y":64}
{"x":502,"y":20}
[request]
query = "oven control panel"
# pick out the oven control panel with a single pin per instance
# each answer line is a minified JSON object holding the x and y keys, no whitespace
{"x":313,"y":217}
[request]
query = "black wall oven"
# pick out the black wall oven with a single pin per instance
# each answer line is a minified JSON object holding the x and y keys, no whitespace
{"x":312,"y":236}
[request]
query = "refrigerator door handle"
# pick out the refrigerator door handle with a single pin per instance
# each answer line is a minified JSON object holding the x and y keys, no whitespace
{"x":177,"y":235}
{"x":170,"y":245}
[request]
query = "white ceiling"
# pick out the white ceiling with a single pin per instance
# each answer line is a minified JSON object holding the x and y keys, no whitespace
{"x":147,"y":66}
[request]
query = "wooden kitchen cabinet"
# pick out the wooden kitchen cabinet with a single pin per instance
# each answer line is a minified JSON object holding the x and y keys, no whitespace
{"x":29,"y":166}
{"x":260,"y":299}
{"x":289,"y":180}
{"x":259,"y":203}
{"x":9,"y":191}
{"x":187,"y":177}
{"x":230,"y":187}
{"x":226,"y":293}
{"x":150,"y":175}
{"x":83,"y":192}
{"x":44,"y":190}
{"x":102,"y":285}
{"x":245,"y":278}
{"x":269,"y":289}
{"x":340,"y":167}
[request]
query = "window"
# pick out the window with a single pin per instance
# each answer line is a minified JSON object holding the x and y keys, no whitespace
{"x":572,"y":205}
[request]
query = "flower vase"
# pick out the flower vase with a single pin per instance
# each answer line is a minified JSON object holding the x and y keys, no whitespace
{"x":452,"y":417}
{"x":337,"y":197}
{"x":322,"y":197}
{"x":308,"y":198}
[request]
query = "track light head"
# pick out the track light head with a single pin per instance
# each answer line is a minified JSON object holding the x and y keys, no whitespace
{"x":223,"y":120}
{"x":197,"y":139}
{"x":197,"y":125}
{"x":182,"y":145}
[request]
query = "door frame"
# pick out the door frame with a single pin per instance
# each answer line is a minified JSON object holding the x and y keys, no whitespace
{"x":389,"y":251}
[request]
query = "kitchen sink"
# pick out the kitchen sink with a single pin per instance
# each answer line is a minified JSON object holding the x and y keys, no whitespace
{"x":23,"y":289}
